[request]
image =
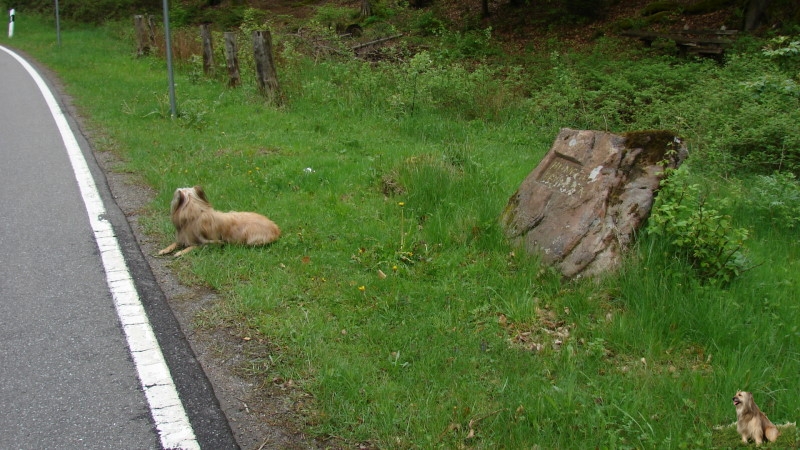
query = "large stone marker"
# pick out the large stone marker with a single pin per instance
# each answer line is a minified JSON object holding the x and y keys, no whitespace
{"x":581,"y":206}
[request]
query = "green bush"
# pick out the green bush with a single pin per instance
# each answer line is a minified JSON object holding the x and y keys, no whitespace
{"x":761,"y":133}
{"x":467,"y":44}
{"x":696,"y":231}
{"x":429,"y":82}
{"x":778,"y":197}
{"x":786,"y":52}
{"x":428,"y":24}
{"x":335,"y":17}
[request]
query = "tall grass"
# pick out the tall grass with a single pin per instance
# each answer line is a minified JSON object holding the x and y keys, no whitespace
{"x":393,"y":299}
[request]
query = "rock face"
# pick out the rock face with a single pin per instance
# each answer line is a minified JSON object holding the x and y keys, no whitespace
{"x":580,"y":208}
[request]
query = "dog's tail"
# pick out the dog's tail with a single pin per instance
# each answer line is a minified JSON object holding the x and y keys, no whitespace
{"x":771,"y":432}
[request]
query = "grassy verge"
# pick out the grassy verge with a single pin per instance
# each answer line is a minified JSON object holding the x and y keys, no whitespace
{"x":392,"y":297}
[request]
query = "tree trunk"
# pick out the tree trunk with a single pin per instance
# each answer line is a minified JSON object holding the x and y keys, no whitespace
{"x":754,"y":14}
{"x":485,"y":8}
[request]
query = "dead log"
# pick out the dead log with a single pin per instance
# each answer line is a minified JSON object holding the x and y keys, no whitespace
{"x":360,"y":47}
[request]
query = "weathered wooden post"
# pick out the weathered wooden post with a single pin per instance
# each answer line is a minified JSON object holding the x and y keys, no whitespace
{"x":142,"y":36}
{"x":265,"y":67}
{"x":151,"y":31}
{"x":232,"y":59}
{"x":366,"y":8}
{"x":208,"y":49}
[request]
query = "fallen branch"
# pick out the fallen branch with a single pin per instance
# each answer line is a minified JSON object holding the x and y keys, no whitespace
{"x":376,"y":41}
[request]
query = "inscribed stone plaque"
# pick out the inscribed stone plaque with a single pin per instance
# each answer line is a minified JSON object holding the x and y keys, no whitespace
{"x":581,"y":205}
{"x":564,"y":176}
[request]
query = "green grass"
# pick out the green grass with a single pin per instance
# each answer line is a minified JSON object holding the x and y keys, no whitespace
{"x":466,"y":342}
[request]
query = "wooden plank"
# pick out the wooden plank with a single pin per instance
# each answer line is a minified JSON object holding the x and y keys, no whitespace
{"x":711,"y":32}
{"x":706,"y":41}
{"x":702,"y":42}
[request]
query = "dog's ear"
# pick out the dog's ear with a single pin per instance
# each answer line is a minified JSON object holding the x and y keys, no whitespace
{"x":200,"y":193}
{"x":179,"y":200}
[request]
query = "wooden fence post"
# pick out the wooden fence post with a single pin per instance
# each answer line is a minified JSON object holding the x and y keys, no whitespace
{"x":142,"y":36}
{"x":366,"y":9}
{"x":151,"y":30}
{"x":208,"y":49}
{"x":232,"y":59}
{"x":265,"y":67}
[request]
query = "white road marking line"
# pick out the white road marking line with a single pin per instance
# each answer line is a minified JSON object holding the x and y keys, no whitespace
{"x":170,"y":418}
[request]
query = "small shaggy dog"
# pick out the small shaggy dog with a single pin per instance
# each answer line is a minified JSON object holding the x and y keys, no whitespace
{"x":197,"y":223}
{"x":752,"y":423}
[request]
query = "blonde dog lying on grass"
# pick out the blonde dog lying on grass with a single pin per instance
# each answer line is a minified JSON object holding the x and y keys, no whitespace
{"x":751,"y":422}
{"x":197,"y":223}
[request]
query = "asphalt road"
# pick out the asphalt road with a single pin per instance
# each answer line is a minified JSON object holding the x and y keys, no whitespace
{"x":90,"y":354}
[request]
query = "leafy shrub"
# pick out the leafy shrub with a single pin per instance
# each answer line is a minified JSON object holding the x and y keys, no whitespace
{"x":746,"y":123}
{"x":428,"y":24}
{"x":334,"y":16}
{"x":777,"y":195}
{"x":696,"y":231}
{"x":767,"y":144}
{"x":426,"y":82}
{"x":786,"y":52}
{"x":467,"y":44}
{"x":761,"y":133}
{"x":766,"y":134}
